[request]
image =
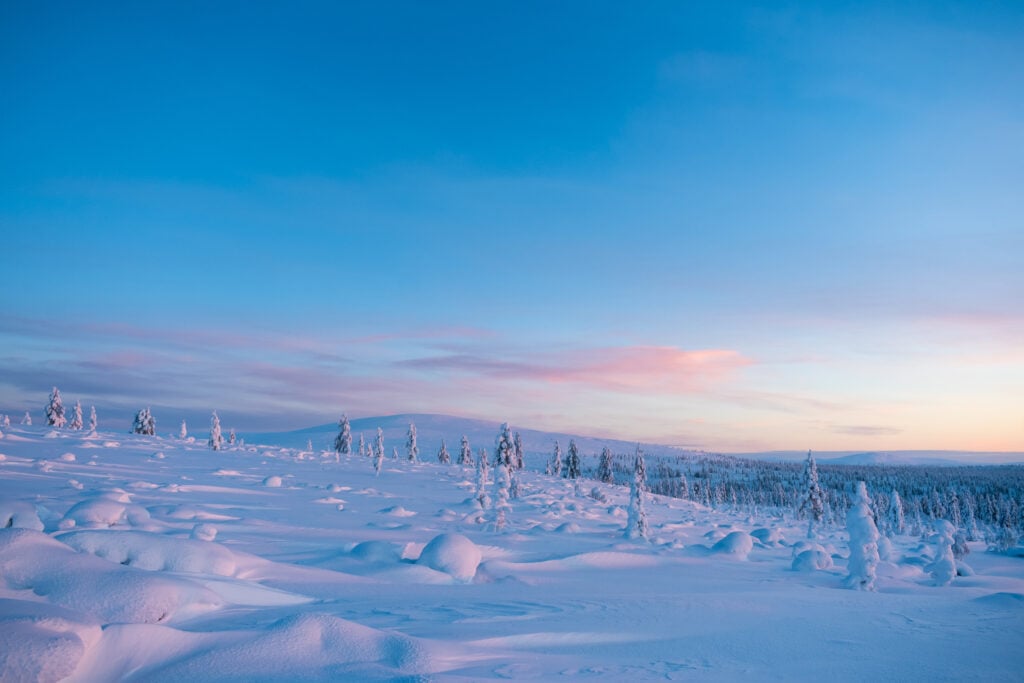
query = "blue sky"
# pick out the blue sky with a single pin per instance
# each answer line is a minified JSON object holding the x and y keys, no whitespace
{"x":727,"y":225}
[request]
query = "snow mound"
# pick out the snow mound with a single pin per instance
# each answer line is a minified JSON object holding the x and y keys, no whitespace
{"x":306,"y":647}
{"x":273,"y":482}
{"x":155,"y":552}
{"x":112,"y":593}
{"x":203,"y":532}
{"x":377,"y":552}
{"x":568,"y":528}
{"x":453,"y":554}
{"x":738,"y":543}
{"x":68,"y":457}
{"x":41,"y":642}
{"x":18,"y":515}
{"x":768,"y":537}
{"x":811,"y":560}
{"x":398,"y":511}
{"x":110,"y":509}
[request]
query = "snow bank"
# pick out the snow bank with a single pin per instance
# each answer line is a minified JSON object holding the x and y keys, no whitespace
{"x":109,"y":508}
{"x":41,"y":642}
{"x":738,"y":543}
{"x":155,"y":552}
{"x":30,"y":560}
{"x":453,"y":554}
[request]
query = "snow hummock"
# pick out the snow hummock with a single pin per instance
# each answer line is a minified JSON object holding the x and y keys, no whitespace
{"x":452,"y":554}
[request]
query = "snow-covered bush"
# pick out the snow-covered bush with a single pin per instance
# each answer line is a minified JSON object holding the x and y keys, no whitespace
{"x":442,"y":455}
{"x":465,"y":453}
{"x":943,"y":567}
{"x":92,"y":419}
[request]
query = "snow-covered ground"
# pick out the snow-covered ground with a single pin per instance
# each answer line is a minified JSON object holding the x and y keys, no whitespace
{"x":149,"y":558}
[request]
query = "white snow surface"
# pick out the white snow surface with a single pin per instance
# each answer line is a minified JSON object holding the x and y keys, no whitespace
{"x":191,"y":567}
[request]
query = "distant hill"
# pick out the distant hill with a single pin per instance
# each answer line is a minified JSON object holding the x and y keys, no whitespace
{"x":935,"y":458}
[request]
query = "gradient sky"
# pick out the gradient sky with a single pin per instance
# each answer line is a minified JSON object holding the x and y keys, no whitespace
{"x":734,"y":226}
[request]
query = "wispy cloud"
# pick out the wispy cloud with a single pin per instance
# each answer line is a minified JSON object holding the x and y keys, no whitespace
{"x":865,"y":430}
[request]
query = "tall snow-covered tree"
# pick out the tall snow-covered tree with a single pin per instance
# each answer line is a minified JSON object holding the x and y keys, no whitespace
{"x":502,"y":484}
{"x":604,"y":467}
{"x":362,"y":447}
{"x":92,"y":419}
{"x":55,"y":410}
{"x":232,"y":438}
{"x":482,"y":480}
{"x":860,"y":524}
{"x":572,"y":461}
{"x":465,"y":453}
{"x":517,"y":444}
{"x":812,"y":502}
{"x":636,"y":524}
{"x":394,"y":452}
{"x":943,"y":567}
{"x":183,"y":431}
{"x":897,"y":522}
{"x":76,"y":417}
{"x":411,"y":449}
{"x":26,"y":419}
{"x":216,"y":440}
{"x":378,"y":451}
{"x":556,"y":461}
{"x":442,"y":455}
{"x":309,"y":445}
{"x":343,"y":442}
{"x":504,"y":447}
{"x":144,"y":423}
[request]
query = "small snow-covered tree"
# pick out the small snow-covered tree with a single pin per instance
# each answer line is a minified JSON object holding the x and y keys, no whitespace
{"x":465,"y":453}
{"x":144,"y":423}
{"x":343,"y":442}
{"x":604,"y":467}
{"x":183,"y":431}
{"x":442,"y":455}
{"x":482,"y":480}
{"x":92,"y":419}
{"x":6,"y":422}
{"x":309,"y":445}
{"x":362,"y":447}
{"x":860,"y":524}
{"x":812,"y":501}
{"x":76,"y":417}
{"x":943,"y":567}
{"x":55,"y":410}
{"x":231,"y":437}
{"x":517,"y":444}
{"x":27,"y":419}
{"x":502,"y":484}
{"x":504,"y":448}
{"x":411,"y":449}
{"x":216,"y":440}
{"x":897,"y":521}
{"x":572,"y":461}
{"x":636,"y":524}
{"x":394,"y":452}
{"x":556,"y":461}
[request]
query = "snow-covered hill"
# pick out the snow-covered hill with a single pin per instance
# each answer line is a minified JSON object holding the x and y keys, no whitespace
{"x":154,"y":559}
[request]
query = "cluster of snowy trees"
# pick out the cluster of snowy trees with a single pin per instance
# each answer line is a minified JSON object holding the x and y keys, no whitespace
{"x":57,"y":416}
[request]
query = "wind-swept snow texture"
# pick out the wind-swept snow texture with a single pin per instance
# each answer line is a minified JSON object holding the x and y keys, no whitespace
{"x":145,"y":558}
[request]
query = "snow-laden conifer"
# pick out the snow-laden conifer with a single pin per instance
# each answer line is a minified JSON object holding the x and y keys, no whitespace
{"x":636,"y":523}
{"x":343,"y":442}
{"x":812,"y":503}
{"x":378,"y":452}
{"x":572,"y":461}
{"x":362,"y":446}
{"x":502,"y":486}
{"x":55,"y":410}
{"x":482,"y":480}
{"x":309,"y":445}
{"x":232,"y":438}
{"x":27,"y":419}
{"x":517,"y":444}
{"x":604,"y":467}
{"x":943,"y":567}
{"x":144,"y":423}
{"x":504,"y":447}
{"x":76,"y":417}
{"x":411,"y":449}
{"x":860,"y":524}
{"x":92,"y":419}
{"x":897,"y":521}
{"x":183,"y":431}
{"x":216,"y":439}
{"x":556,"y":461}
{"x":442,"y":455}
{"x":6,"y":421}
{"x":465,"y":453}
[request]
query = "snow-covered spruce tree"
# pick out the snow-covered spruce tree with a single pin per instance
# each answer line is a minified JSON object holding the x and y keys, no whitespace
{"x":604,"y":467}
{"x":343,"y":442}
{"x":411,"y":449}
{"x":812,"y":501}
{"x":481,"y":481}
{"x":572,"y":461}
{"x":378,"y":451}
{"x":362,"y":447}
{"x":55,"y":410}
{"x":76,"y":417}
{"x":897,"y":522}
{"x":943,"y":568}
{"x":6,"y":421}
{"x":465,"y":453}
{"x":92,"y":419}
{"x":26,"y":419}
{"x":394,"y":452}
{"x":556,"y":461}
{"x":183,"y":431}
{"x":442,"y":455}
{"x":514,"y":489}
{"x":517,"y":442}
{"x":232,"y":438}
{"x":860,"y":524}
{"x":144,"y":423}
{"x":636,"y":524}
{"x":216,"y":440}
{"x":502,"y":484}
{"x":504,"y":447}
